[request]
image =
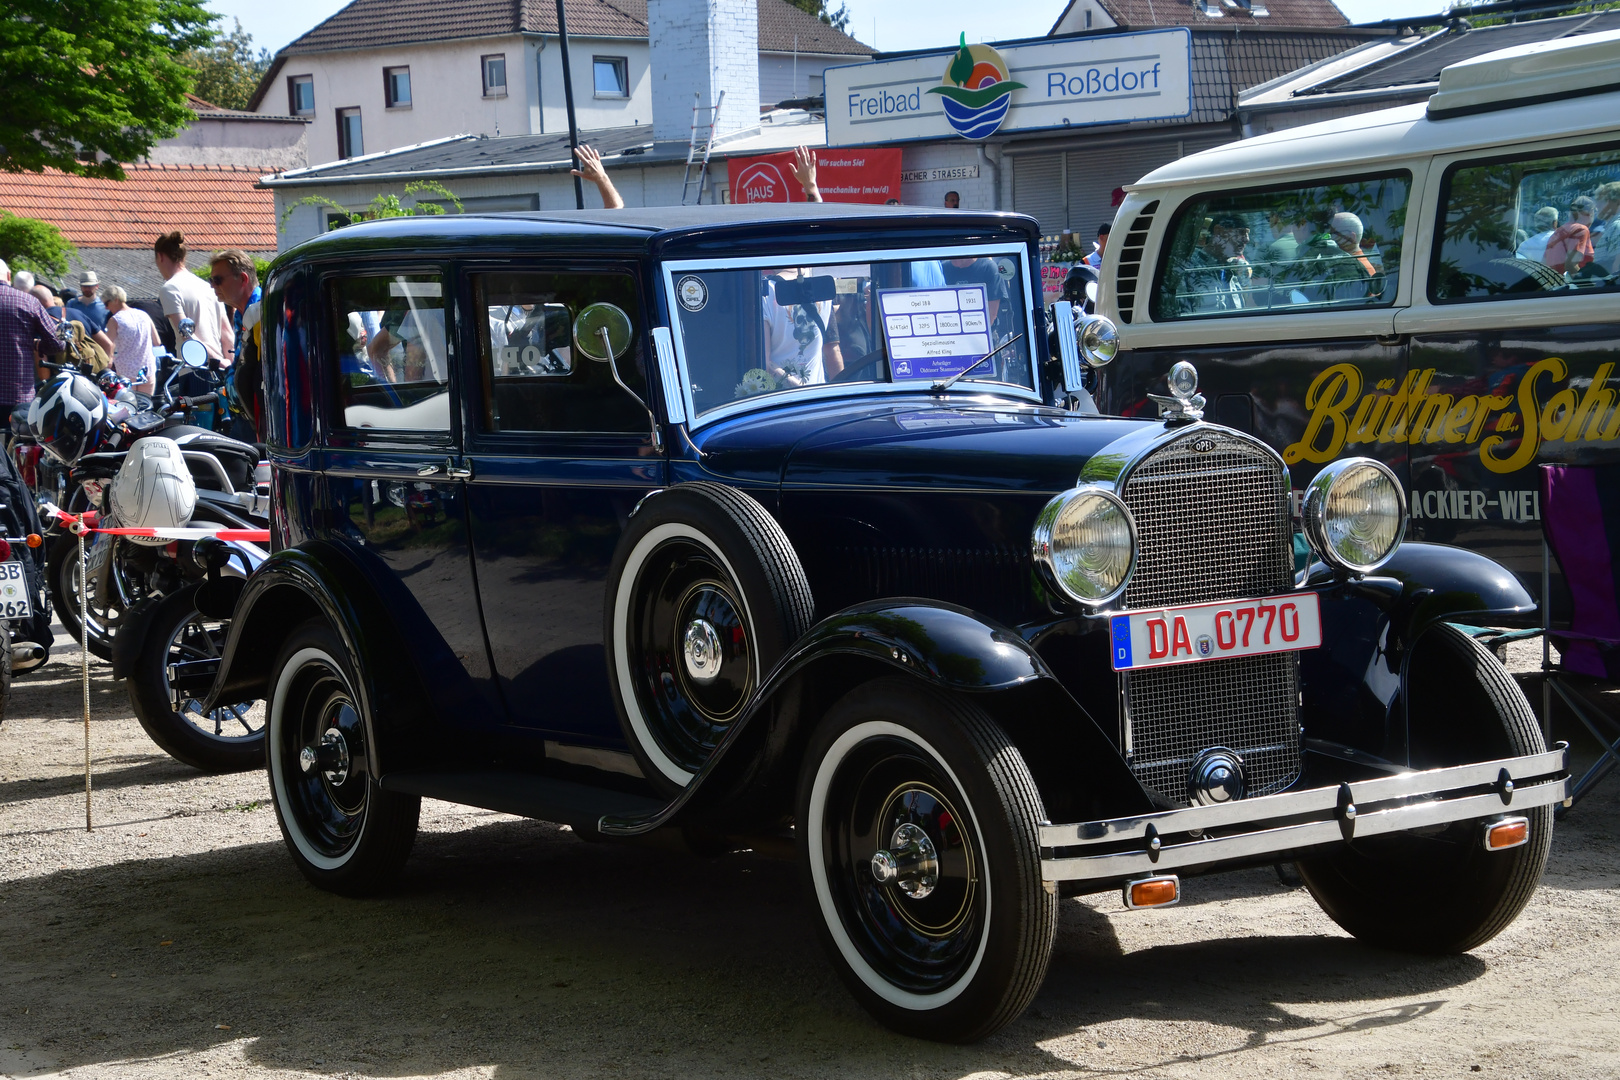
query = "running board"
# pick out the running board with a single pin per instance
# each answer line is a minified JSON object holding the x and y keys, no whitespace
{"x":544,"y":798}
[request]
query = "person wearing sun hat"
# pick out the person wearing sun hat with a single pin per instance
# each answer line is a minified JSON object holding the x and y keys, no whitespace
{"x":87,"y":306}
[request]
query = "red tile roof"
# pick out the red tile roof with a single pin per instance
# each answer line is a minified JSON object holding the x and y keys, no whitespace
{"x":1288,"y":14}
{"x":215,"y":206}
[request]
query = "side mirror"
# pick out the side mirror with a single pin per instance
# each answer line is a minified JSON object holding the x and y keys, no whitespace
{"x":603,"y":332}
{"x":193,"y":354}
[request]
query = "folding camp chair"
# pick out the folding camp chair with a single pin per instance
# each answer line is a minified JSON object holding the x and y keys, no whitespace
{"x":1580,"y":506}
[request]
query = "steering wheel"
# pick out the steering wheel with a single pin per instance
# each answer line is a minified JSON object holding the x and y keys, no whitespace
{"x":848,"y":374}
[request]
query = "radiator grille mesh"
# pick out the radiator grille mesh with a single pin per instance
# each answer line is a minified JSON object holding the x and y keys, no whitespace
{"x":1212,"y":519}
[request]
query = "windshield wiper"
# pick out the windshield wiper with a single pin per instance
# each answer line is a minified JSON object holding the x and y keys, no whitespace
{"x":950,"y":382}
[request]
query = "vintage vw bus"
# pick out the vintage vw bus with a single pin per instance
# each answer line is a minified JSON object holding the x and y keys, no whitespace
{"x":1433,"y":286}
{"x":750,"y":521}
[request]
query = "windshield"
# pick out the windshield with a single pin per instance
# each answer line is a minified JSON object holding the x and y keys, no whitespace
{"x":752,"y":329}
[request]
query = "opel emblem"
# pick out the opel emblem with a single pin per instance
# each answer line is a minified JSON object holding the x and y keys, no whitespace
{"x":1203,"y":446}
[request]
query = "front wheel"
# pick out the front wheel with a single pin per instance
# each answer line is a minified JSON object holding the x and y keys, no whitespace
{"x":346,"y":834}
{"x":226,"y":738}
{"x":1440,"y":891}
{"x":918,"y":822}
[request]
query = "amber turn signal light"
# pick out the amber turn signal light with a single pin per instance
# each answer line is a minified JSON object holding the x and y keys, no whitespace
{"x":1507,"y":833}
{"x":1153,"y":892}
{"x":35,"y":540}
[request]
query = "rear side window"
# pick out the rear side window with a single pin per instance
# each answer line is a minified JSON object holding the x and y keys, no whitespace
{"x":1529,"y":226}
{"x":393,"y":353}
{"x":1287,"y":249}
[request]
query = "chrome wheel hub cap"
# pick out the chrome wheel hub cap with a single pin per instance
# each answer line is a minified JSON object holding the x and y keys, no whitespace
{"x":330,"y":756}
{"x":910,"y":862}
{"x":701,"y":651}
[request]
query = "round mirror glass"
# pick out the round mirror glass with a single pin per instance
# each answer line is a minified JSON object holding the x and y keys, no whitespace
{"x":602,"y":331}
{"x":192,"y":353}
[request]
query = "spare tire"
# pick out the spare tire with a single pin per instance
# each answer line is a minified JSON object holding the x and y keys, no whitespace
{"x":705,"y":594}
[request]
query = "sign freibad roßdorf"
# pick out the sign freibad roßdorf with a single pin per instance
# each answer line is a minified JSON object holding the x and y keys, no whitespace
{"x":974,"y":91}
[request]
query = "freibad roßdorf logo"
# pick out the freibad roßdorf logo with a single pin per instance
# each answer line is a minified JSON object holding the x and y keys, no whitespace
{"x":976,"y":89}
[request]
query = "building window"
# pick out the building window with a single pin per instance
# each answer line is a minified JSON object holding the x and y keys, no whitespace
{"x":495,"y":75}
{"x":301,"y":95}
{"x":612,"y":76}
{"x":1088,"y":18}
{"x":397,"y":87}
{"x":350,"y":141}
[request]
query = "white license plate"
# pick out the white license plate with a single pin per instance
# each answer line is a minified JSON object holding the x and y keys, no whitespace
{"x":14,"y":592}
{"x":1196,"y":632}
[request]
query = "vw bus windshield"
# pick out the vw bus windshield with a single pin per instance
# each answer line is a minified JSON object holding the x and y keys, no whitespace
{"x":761,"y":327}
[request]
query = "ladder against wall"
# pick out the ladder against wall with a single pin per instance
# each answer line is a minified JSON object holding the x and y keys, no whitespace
{"x":704,"y":118}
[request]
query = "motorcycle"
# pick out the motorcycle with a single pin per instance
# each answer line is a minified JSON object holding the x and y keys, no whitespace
{"x":143,"y":596}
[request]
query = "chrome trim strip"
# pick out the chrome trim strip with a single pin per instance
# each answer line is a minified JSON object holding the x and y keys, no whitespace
{"x":1289,"y":804}
{"x":1295,"y":837}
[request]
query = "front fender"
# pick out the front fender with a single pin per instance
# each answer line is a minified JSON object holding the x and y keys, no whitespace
{"x":1355,"y":686}
{"x":942,"y":645}
{"x":131,"y":636}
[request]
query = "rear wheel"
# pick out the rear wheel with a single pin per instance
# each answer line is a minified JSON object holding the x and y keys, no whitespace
{"x":1440,"y":891}
{"x":346,"y":834}
{"x":63,"y":566}
{"x":226,"y":738}
{"x":919,"y":824}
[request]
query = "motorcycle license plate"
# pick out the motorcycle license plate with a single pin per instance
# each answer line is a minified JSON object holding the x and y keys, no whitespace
{"x":14,"y":592}
{"x":1198,"y":632}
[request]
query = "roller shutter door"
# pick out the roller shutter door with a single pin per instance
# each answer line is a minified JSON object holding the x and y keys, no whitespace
{"x":1093,"y":176}
{"x":1038,"y":190}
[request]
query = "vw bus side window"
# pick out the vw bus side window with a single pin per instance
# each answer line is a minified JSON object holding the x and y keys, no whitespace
{"x":1277,"y":250}
{"x":1529,"y":227}
{"x":393,"y":356}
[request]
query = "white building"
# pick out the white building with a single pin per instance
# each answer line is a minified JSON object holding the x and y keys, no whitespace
{"x":379,"y":75}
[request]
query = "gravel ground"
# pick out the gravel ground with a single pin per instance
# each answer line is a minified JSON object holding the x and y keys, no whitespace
{"x":177,"y":940}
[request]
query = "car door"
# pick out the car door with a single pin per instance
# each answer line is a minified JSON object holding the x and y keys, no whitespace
{"x":560,"y":454}
{"x":393,"y":469}
{"x":1515,"y":357}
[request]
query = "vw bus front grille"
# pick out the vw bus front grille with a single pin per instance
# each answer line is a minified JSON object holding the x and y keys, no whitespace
{"x":1212,"y":522}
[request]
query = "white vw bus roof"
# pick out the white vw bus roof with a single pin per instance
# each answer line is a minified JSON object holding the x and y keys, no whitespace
{"x":1549,"y":86}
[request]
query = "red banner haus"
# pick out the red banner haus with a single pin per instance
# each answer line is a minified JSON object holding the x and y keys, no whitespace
{"x":860,"y":175}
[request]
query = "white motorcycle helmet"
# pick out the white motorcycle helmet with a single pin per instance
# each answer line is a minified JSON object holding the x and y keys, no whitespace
{"x":153,"y":489}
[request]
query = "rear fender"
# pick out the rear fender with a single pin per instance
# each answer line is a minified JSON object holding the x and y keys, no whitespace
{"x":133,"y":625}
{"x":749,"y":781}
{"x":390,"y":643}
{"x":1354,"y":688}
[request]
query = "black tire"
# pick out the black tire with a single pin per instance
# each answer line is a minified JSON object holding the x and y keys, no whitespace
{"x":230,"y":738}
{"x":5,"y":674}
{"x":707,"y":560}
{"x":63,"y":573}
{"x":958,"y":962}
{"x":1440,"y":891}
{"x":346,"y":834}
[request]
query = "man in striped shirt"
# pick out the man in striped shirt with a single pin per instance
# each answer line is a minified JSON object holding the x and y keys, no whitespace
{"x":26,"y":330}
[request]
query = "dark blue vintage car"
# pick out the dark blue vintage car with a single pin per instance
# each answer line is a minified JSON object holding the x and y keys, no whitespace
{"x":797,"y":521}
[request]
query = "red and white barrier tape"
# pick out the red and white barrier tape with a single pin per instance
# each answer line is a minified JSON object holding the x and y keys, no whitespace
{"x":87,"y":523}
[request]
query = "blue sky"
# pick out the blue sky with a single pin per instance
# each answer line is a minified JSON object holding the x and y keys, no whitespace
{"x":887,"y":24}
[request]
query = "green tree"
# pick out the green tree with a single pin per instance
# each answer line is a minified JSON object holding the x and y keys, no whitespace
{"x":227,"y":70}
{"x":39,"y":246}
{"x":382,"y":206}
{"x":838,"y":20}
{"x":89,"y":84}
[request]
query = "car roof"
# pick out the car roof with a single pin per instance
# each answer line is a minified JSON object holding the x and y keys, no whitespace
{"x":1413,"y":131}
{"x":670,"y":229}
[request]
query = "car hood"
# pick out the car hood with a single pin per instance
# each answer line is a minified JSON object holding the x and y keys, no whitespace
{"x":902,"y":443}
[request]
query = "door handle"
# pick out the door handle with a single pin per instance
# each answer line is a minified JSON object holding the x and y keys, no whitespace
{"x":427,"y":470}
{"x":1390,"y":340}
{"x":455,"y":472}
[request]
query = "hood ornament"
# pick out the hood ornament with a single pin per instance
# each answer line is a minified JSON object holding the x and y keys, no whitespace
{"x":1184,"y":403}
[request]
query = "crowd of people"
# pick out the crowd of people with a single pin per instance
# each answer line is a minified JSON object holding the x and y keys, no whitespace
{"x":1308,"y":261}
{"x":1586,"y":243}
{"x":99,"y":328}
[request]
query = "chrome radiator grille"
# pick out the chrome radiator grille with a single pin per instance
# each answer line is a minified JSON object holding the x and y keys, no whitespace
{"x":1212,"y":519}
{"x":1213,"y":524}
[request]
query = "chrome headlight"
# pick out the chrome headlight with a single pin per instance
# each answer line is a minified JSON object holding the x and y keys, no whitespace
{"x":1099,"y":341}
{"x":1355,"y":514}
{"x":1085,"y":542}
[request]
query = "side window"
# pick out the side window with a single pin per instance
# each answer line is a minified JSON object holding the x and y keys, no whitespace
{"x":1528,"y":227}
{"x":538,"y":376}
{"x":1276,"y":250}
{"x":392,"y":352}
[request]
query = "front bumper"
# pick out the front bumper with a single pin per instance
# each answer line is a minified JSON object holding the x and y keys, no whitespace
{"x":1204,"y":836}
